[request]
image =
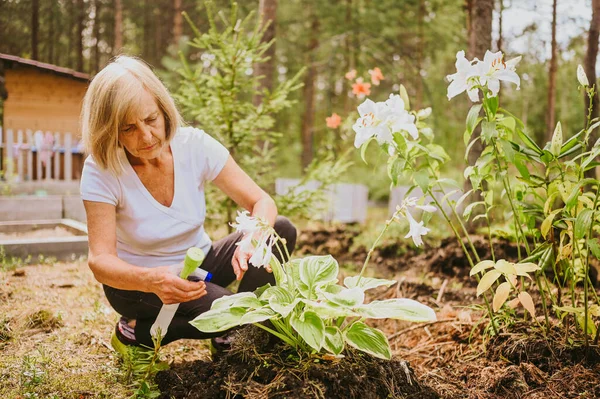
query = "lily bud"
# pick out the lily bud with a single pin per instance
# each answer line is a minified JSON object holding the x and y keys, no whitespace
{"x":582,"y":77}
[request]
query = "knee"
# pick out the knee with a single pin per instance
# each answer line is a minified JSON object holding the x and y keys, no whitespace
{"x":286,"y":229}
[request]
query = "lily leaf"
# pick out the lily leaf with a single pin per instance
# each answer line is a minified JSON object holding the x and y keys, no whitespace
{"x":487,"y":280}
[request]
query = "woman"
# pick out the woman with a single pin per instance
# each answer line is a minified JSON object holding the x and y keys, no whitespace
{"x":143,"y":190}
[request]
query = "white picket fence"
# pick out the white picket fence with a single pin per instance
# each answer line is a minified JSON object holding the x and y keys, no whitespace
{"x":346,"y":203}
{"x":47,"y":146}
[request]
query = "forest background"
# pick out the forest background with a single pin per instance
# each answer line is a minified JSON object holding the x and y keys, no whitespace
{"x":413,"y":42}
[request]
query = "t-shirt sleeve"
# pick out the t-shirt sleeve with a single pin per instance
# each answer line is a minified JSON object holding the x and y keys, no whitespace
{"x":212,"y":156}
{"x":98,"y":185}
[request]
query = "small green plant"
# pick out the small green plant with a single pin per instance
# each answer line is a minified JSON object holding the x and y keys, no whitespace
{"x":32,"y":372}
{"x":308,"y":309}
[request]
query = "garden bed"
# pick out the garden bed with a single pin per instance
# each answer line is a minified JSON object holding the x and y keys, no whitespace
{"x":447,"y":358}
{"x":62,"y":239}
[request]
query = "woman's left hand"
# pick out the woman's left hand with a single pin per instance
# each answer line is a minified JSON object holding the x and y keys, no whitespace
{"x":240,"y":262}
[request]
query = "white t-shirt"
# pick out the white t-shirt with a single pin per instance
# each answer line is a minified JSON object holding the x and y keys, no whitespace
{"x":150,"y":234}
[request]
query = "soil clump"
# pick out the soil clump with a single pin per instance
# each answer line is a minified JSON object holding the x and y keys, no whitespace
{"x":257,"y":366}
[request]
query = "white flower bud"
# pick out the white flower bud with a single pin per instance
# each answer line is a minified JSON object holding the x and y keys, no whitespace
{"x":581,"y":76}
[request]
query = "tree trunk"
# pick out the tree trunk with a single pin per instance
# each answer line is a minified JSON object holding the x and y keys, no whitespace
{"x":51,"y":38}
{"x":309,"y":93}
{"x":268,"y":12}
{"x":551,"y":110}
{"x":35,"y":23}
{"x":70,"y":14}
{"x":499,"y":43}
{"x":118,"y":44}
{"x":590,"y":58}
{"x":80,"y":21}
{"x":480,"y":32}
{"x":590,"y":70}
{"x":480,"y":39}
{"x":177,"y":22}
{"x":420,"y":48}
{"x":349,"y":50}
{"x":96,"y":33}
{"x":479,"y":23}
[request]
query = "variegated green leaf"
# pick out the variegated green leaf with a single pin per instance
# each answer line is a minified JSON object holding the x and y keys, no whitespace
{"x":369,"y":340}
{"x":398,"y":308}
{"x":241,"y":300}
{"x":258,"y":315}
{"x":318,"y":270}
{"x":347,"y":297}
{"x":367,"y":283}
{"x":310,"y":327}
{"x":216,"y":320}
{"x":334,"y":341}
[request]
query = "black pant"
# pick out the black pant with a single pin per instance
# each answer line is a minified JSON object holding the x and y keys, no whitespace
{"x":144,"y":307}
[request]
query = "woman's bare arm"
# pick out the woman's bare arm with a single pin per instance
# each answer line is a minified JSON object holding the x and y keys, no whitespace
{"x":238,"y":186}
{"x":114,"y":272}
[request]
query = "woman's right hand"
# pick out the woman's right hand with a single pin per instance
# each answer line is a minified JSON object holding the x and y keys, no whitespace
{"x":171,"y":288}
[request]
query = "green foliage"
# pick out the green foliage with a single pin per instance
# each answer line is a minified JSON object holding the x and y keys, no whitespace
{"x":218,"y":93}
{"x":307,"y":203}
{"x":552,"y":204}
{"x":309,"y":311}
{"x":221,"y":94}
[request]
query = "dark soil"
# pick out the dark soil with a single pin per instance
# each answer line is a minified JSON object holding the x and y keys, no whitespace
{"x":446,"y":259}
{"x":448,"y":359}
{"x":256,"y":367}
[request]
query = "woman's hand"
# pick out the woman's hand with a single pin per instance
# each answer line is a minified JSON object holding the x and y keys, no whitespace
{"x":173,"y":289}
{"x":240,"y":261}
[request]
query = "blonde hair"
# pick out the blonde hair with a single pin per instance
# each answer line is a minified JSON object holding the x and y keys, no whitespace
{"x":110,"y":99}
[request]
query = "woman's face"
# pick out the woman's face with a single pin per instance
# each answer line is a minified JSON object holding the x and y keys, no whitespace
{"x":143,"y":134}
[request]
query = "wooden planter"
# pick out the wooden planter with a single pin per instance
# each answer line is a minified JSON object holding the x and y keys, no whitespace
{"x":61,"y":248}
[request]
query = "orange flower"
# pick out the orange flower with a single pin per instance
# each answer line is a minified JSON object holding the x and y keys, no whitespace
{"x":376,"y":76}
{"x":350,"y":75}
{"x":334,"y":121}
{"x":361,"y":89}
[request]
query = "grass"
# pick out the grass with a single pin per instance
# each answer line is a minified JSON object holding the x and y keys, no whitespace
{"x":55,"y":328}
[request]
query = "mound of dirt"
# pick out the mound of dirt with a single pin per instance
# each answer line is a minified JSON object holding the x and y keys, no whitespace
{"x":258,"y":367}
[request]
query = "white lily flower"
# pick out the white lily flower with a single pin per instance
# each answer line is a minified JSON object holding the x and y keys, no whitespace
{"x":416,"y":230}
{"x":245,"y":223}
{"x":263,"y":252}
{"x":581,"y":76}
{"x":424,"y":113}
{"x":412,"y":202}
{"x":462,"y":79}
{"x":255,"y":228}
{"x":493,"y":69}
{"x":398,"y":117}
{"x":370,"y":123}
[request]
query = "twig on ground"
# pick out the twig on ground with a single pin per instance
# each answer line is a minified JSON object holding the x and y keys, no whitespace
{"x":422,"y":325}
{"x":441,"y":292}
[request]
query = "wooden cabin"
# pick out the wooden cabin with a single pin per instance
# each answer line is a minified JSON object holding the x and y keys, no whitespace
{"x":40,"y":97}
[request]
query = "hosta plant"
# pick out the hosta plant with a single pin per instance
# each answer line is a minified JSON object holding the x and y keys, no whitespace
{"x":307,"y":308}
